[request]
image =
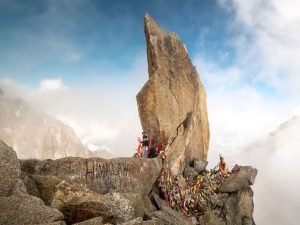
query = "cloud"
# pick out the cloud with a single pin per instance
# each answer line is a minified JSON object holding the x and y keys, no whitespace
{"x":267,"y":40}
{"x":239,"y":113}
{"x":250,"y":96}
{"x":276,"y":195}
{"x":103,"y":114}
{"x":52,"y":85}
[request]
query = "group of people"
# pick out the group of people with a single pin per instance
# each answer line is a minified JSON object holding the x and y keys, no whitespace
{"x":146,"y":149}
{"x":192,"y":196}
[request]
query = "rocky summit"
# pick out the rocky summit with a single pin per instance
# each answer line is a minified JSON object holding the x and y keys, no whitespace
{"x":176,"y":190}
{"x":117,"y":191}
{"x":172,"y":103}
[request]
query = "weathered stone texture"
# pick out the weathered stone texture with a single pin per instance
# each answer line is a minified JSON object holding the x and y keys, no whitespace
{"x":172,"y":103}
{"x":101,"y":175}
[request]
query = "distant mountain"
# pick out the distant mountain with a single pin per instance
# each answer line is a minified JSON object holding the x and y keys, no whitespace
{"x":35,"y":134}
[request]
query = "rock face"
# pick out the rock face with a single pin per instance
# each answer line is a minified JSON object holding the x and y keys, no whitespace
{"x":241,"y":181}
{"x":10,"y":172}
{"x":100,"y":175}
{"x":116,"y":190}
{"x":172,"y":103}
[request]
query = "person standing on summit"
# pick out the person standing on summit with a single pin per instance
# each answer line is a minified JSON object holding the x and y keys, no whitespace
{"x":145,"y":145}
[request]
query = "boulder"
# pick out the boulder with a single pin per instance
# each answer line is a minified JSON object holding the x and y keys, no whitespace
{"x":190,"y":172}
{"x":79,"y":203}
{"x":128,"y":175}
{"x":172,"y":103}
{"x":234,"y":184}
{"x":211,"y":219}
{"x":124,"y":207}
{"x":139,"y":221}
{"x":26,"y":210}
{"x":158,"y":202}
{"x":54,"y":223}
{"x":11,"y":183}
{"x":200,"y":165}
{"x":136,"y":221}
{"x":240,"y":181}
{"x":153,"y":221}
{"x":249,"y":173}
{"x":17,"y":207}
{"x":246,"y":206}
{"x":239,"y":206}
{"x":247,"y":221}
{"x":30,"y":186}
{"x":93,"y":221}
{"x":168,"y":216}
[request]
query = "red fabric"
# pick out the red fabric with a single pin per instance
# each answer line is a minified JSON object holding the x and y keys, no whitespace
{"x":159,"y":147}
{"x":222,"y":165}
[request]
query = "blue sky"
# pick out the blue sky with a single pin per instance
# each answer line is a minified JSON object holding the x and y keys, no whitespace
{"x":99,"y":38}
{"x":84,"y":42}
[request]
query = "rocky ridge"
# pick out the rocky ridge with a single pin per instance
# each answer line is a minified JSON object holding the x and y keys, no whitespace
{"x":99,"y":191}
{"x":76,"y":190}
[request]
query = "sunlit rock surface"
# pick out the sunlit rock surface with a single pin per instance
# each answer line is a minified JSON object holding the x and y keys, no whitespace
{"x":172,"y":103}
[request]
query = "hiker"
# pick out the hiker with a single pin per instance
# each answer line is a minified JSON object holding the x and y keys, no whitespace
{"x":162,"y":155}
{"x":222,"y":165}
{"x":152,"y":152}
{"x":139,"y":149}
{"x":145,"y":145}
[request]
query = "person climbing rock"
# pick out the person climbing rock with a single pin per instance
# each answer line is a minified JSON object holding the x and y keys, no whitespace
{"x":145,"y":145}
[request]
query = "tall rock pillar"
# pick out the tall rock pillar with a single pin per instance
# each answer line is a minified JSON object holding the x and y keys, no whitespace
{"x":172,"y":103}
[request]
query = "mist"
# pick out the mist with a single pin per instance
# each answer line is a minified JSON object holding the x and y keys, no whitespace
{"x":103,"y":113}
{"x":276,"y":189}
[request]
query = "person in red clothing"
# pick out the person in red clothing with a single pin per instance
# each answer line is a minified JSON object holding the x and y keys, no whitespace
{"x":222,"y":164}
{"x":159,"y":147}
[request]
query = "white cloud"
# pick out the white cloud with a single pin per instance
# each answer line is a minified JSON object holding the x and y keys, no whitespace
{"x":267,"y":46}
{"x":276,"y":195}
{"x":268,"y":39}
{"x":103,"y":114}
{"x":52,"y":85}
{"x":239,"y":114}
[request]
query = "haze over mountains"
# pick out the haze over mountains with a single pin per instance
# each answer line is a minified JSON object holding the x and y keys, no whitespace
{"x":35,"y":134}
{"x":277,"y":159}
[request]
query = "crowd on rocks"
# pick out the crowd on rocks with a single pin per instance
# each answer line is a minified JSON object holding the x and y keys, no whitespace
{"x":146,"y":149}
{"x":193,"y":195}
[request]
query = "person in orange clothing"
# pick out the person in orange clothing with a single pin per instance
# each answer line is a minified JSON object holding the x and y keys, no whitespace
{"x":139,"y":149}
